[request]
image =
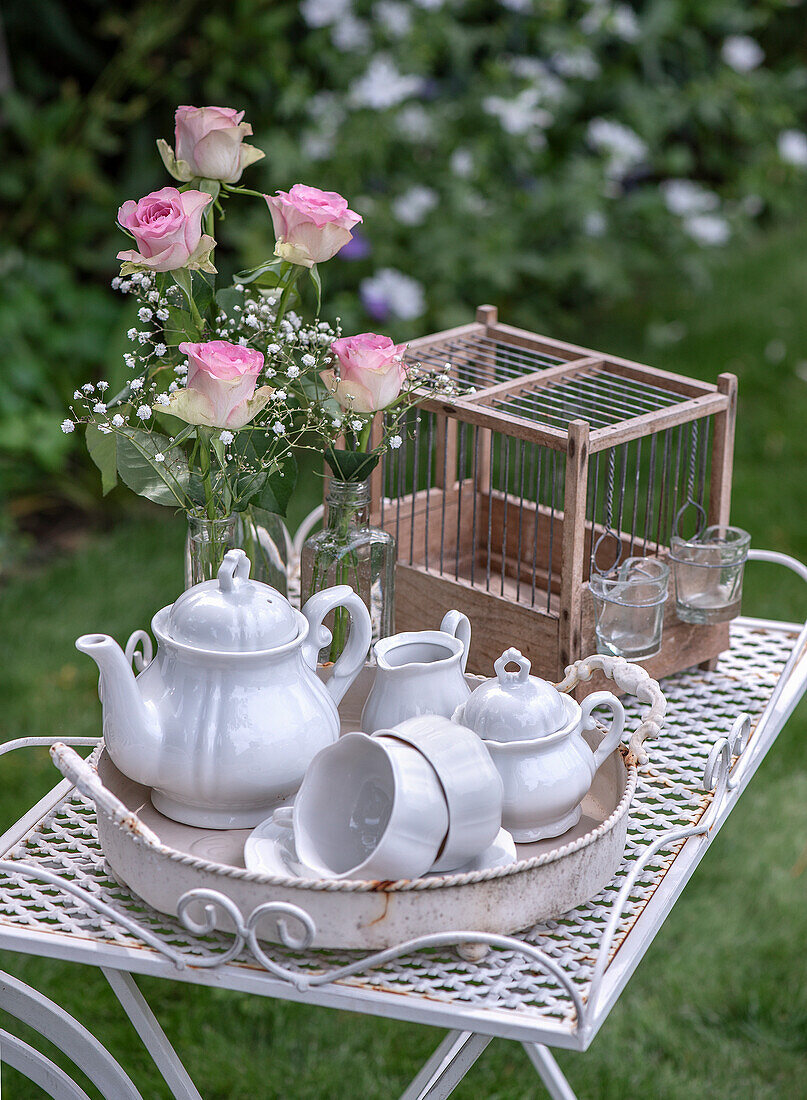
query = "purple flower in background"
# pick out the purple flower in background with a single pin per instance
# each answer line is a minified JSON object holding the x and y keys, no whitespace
{"x":390,"y":293}
{"x":356,"y":249}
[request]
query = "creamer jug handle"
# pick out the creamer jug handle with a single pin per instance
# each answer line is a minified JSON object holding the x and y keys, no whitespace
{"x":458,"y":626}
{"x":352,"y":658}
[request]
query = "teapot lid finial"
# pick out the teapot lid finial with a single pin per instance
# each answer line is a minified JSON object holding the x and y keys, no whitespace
{"x":235,"y":566}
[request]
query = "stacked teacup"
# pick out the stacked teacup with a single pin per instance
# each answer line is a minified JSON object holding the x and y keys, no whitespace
{"x":421,"y":796}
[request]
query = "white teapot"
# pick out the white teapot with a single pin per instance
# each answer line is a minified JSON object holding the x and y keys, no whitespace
{"x":223,"y":722}
{"x":534,"y":734}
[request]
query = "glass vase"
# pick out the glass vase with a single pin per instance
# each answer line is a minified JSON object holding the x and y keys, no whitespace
{"x":350,"y":551}
{"x":207,"y":542}
{"x":262,"y":535}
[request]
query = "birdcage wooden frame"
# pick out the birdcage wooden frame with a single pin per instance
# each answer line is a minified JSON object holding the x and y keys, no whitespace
{"x":574,"y":407}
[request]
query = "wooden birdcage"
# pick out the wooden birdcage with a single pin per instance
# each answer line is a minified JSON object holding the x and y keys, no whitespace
{"x":560,"y":461}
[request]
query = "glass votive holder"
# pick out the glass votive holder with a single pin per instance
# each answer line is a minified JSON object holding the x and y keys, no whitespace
{"x":708,"y":574}
{"x":629,"y":608}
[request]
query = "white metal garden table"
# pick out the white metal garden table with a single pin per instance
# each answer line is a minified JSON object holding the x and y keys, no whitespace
{"x":554,"y":987}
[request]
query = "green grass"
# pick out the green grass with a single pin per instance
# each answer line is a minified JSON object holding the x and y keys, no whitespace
{"x":719,"y":1006}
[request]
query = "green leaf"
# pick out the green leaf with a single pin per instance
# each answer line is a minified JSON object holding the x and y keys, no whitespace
{"x":271,"y":268}
{"x":210,"y":187}
{"x":165,"y":482}
{"x":278,"y":488}
{"x":179,"y":327}
{"x":351,"y":465}
{"x":203,"y":292}
{"x":226,"y":299}
{"x":182,"y":277}
{"x":103,"y":448}
{"x":315,"y":279}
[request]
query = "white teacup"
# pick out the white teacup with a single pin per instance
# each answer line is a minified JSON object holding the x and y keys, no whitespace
{"x":369,"y":808}
{"x":471,"y":782}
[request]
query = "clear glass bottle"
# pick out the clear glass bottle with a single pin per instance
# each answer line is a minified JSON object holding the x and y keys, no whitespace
{"x":350,"y":551}
{"x":262,"y":536}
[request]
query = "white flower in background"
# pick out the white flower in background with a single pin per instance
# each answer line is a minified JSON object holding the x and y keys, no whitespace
{"x":741,"y":53}
{"x":391,"y":293}
{"x":226,"y":438}
{"x":144,"y":412}
{"x":623,"y":147}
{"x":326,"y":109}
{"x":709,"y":230}
{"x":144,"y":314}
{"x":136,"y":384}
{"x":68,"y":426}
{"x":159,"y":457}
{"x":792,"y":146}
{"x":429,"y":5}
{"x":278,"y":428}
{"x":99,"y":407}
{"x":322,"y":13}
{"x":350,"y":34}
{"x":308,"y":361}
{"x":521,"y":6}
{"x":162,"y":399}
{"x":414,"y":122}
{"x":549,"y":87}
{"x":395,"y":442}
{"x":520,"y":114}
{"x":383,"y":86}
{"x":357,"y":424}
{"x":462,"y":163}
{"x":686,"y":197}
{"x":162,"y":315}
{"x":118,"y":420}
{"x":160,"y":350}
{"x":594,"y":224}
{"x":394,"y":16}
{"x":88,"y":387}
{"x":413,"y":205}
{"x":616,"y":19}
{"x":102,"y":386}
{"x":317,"y":146}
{"x":580,"y":64}
{"x":78,"y":395}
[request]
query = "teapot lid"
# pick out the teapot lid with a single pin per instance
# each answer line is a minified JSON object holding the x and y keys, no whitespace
{"x":232,"y":614}
{"x":514,"y":706}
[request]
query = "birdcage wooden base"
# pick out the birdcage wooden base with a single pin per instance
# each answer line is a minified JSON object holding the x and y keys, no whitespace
{"x":500,"y":621}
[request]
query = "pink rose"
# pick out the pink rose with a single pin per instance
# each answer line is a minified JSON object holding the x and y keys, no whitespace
{"x":209,"y":144}
{"x":220,"y":390}
{"x":310,"y":225}
{"x":167,"y":226}
{"x":371,"y":372}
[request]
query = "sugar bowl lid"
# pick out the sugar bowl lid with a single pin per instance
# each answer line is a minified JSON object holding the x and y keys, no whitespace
{"x":232,"y":614}
{"x":514,"y":706}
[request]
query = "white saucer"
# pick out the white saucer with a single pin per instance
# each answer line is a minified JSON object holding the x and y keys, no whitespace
{"x":270,"y":850}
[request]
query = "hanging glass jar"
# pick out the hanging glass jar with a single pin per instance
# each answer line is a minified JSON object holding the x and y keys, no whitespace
{"x":262,"y":535}
{"x":350,"y":551}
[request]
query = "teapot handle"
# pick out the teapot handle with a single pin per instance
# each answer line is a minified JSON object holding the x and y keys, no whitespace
{"x":352,"y":658}
{"x":614,"y":734}
{"x":458,"y":626}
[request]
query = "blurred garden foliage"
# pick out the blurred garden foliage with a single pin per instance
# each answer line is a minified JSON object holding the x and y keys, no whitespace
{"x":533,"y":153}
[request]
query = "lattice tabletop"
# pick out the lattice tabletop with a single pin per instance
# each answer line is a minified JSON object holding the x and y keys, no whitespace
{"x":504,"y":992}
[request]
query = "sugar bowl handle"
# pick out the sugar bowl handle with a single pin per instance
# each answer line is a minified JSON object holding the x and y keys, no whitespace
{"x":353,"y":656}
{"x":458,"y":626}
{"x":614,"y":734}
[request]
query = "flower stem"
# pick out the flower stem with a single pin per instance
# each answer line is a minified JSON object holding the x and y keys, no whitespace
{"x":204,"y":468}
{"x":293,"y":276}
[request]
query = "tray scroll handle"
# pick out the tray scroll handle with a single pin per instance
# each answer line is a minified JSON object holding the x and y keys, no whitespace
{"x":631,"y":678}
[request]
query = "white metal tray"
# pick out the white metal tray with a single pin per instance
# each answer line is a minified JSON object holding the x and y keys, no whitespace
{"x":162,"y":860}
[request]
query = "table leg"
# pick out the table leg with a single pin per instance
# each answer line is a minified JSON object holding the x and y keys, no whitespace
{"x":51,"y":1022}
{"x":550,"y":1072}
{"x":447,"y":1066}
{"x":34,"y":1065}
{"x":152,"y":1035}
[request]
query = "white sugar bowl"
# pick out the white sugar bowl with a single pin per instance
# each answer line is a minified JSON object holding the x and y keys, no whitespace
{"x":534,"y":735}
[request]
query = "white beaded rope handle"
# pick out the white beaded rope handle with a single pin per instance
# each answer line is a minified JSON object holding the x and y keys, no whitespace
{"x":631,"y":678}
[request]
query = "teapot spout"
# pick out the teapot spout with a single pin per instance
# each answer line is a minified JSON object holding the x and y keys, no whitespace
{"x":131,"y":727}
